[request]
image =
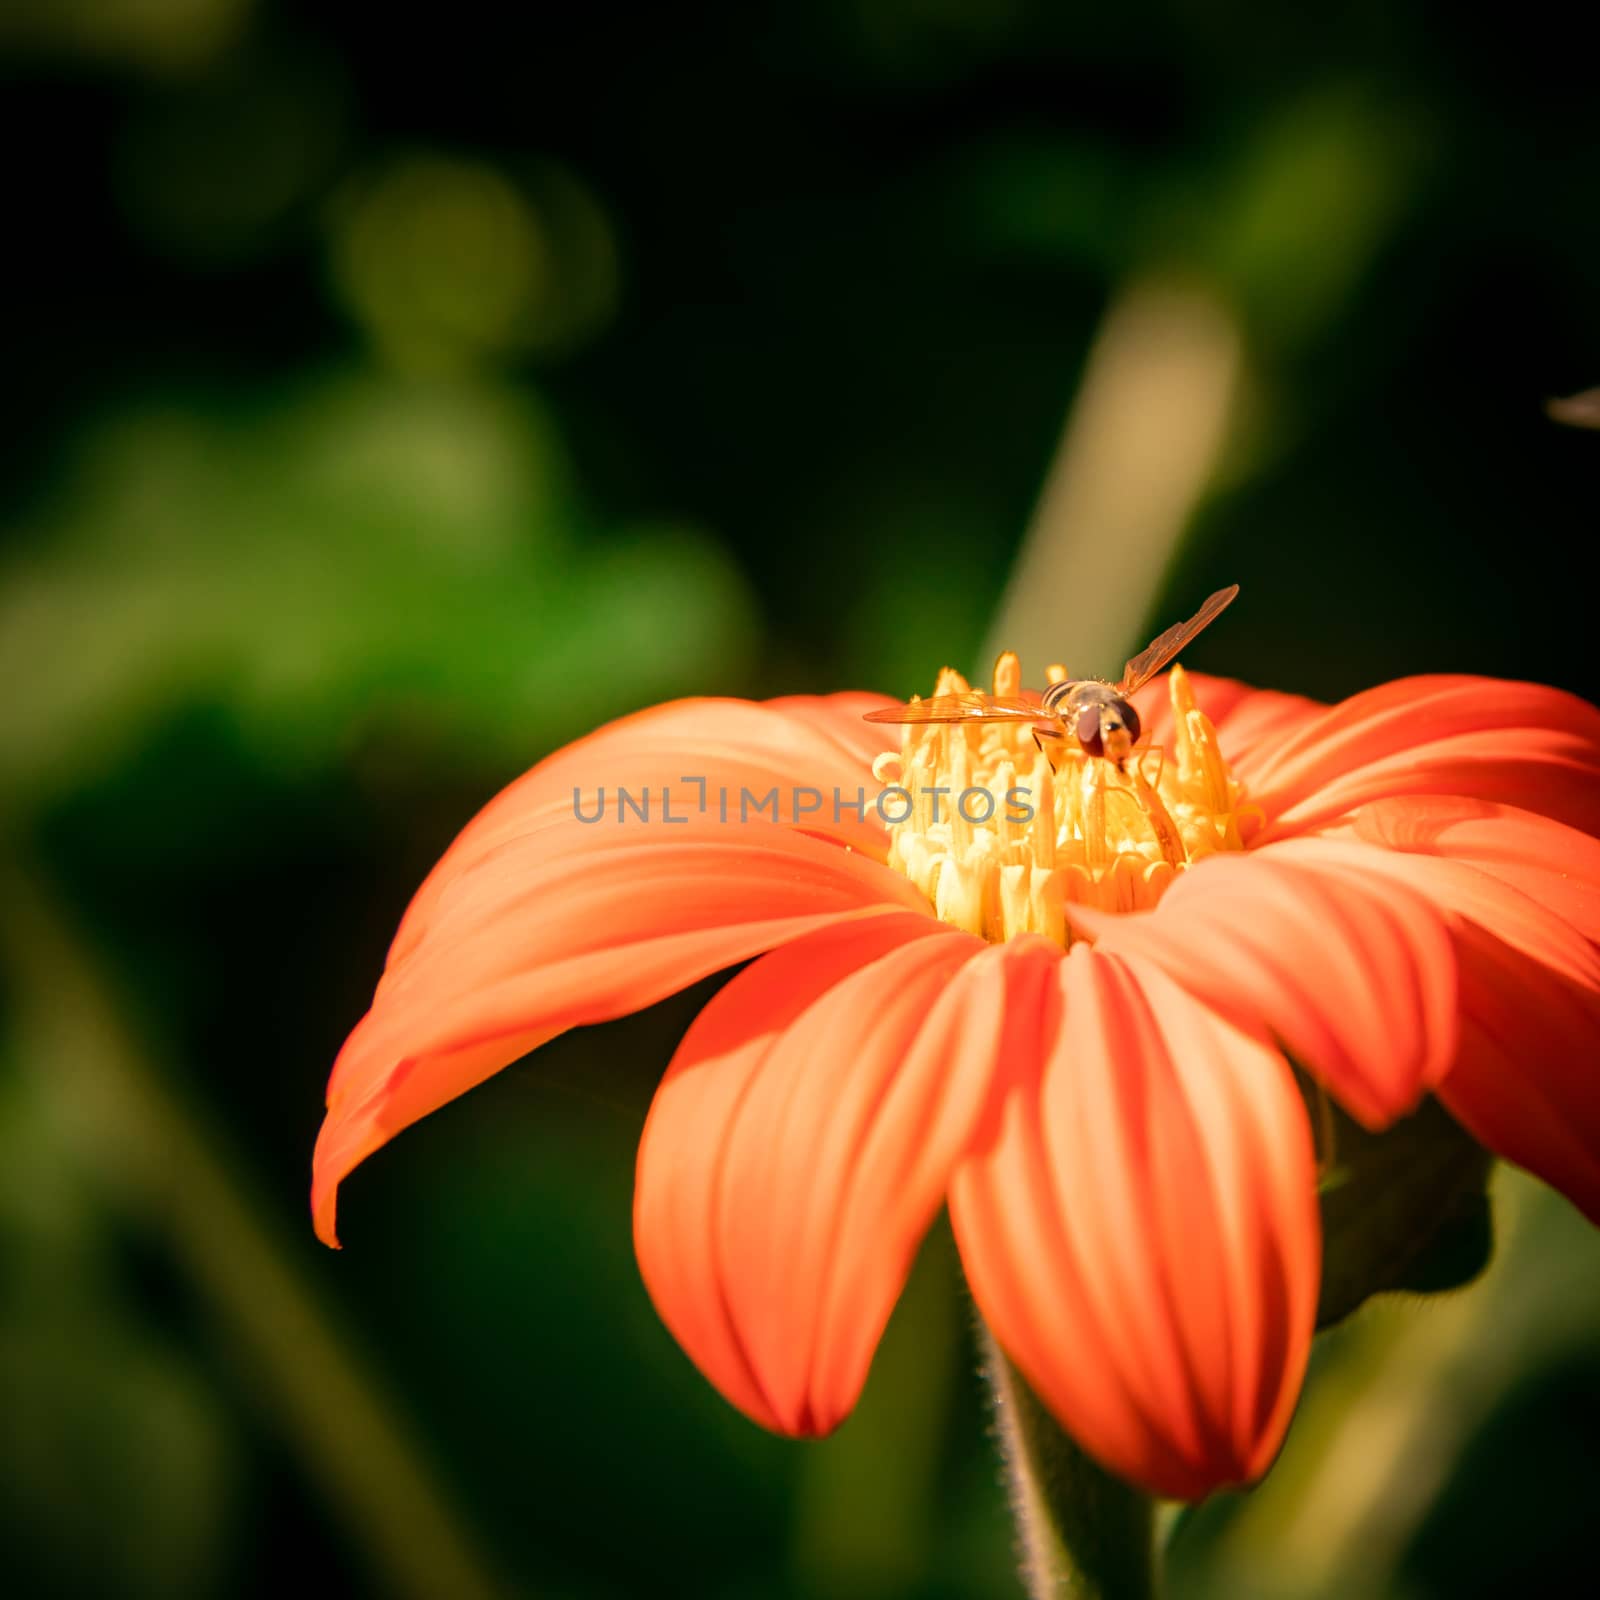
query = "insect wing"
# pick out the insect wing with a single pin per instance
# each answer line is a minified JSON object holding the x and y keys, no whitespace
{"x":1161,"y":650}
{"x":973,"y":706}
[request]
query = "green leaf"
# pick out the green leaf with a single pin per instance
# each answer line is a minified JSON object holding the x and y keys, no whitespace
{"x":355,"y":555}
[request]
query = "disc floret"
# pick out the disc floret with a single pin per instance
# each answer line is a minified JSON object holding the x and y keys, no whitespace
{"x":1008,"y":823}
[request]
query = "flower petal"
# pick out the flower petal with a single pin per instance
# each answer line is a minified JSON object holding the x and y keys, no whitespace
{"x":1524,"y":1081}
{"x":840,"y":718}
{"x":1139,"y":1227}
{"x":1518,"y":744}
{"x":567,"y":926}
{"x":799,"y":1147}
{"x":1555,"y":865}
{"x":1355,"y":976}
{"x":1251,"y":723}
{"x":698,"y":751}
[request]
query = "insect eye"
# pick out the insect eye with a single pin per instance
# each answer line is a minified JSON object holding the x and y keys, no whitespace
{"x":1130,"y":719}
{"x":1088,"y":730}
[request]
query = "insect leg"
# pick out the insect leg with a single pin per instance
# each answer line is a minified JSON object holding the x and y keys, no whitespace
{"x":1057,"y":748}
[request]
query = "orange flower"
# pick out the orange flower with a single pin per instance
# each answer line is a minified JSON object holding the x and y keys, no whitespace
{"x":1068,"y":1020}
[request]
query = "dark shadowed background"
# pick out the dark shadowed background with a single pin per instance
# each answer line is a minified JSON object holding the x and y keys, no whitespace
{"x":392,"y":397}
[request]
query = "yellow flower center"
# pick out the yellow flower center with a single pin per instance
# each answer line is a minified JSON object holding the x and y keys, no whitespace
{"x":1001,"y":836}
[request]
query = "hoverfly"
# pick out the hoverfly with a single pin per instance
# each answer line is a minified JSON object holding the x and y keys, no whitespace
{"x":1096,"y":714}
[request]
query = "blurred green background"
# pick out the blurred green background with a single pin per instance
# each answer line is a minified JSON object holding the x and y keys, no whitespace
{"x":393,"y":397}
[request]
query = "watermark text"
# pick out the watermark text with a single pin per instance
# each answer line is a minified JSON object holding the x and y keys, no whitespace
{"x":797,"y":805}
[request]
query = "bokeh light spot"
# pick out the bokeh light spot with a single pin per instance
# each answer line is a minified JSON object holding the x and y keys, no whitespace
{"x":445,"y":262}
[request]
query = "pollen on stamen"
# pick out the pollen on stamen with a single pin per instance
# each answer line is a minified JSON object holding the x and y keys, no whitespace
{"x":1009,"y":822}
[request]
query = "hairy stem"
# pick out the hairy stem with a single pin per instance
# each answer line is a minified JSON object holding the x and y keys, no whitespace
{"x":1082,"y":1533}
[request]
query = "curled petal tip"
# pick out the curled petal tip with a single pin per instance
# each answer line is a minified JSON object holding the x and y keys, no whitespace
{"x":324,"y":1200}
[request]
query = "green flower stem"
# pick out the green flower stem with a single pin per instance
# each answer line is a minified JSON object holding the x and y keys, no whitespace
{"x":1083,"y":1533}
